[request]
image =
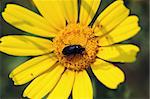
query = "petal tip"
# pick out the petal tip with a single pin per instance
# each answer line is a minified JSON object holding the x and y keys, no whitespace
{"x":139,"y":28}
{"x":24,"y":94}
{"x":3,"y":14}
{"x":16,"y":81}
{"x":116,"y":86}
{"x":10,"y":75}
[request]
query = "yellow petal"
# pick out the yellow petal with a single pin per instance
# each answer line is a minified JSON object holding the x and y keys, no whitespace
{"x":25,"y":45}
{"x":52,"y":12}
{"x":82,"y":88}
{"x":28,"y":21}
{"x":32,"y":68}
{"x":118,"y":53}
{"x":64,"y":86}
{"x":43,"y":84}
{"x":87,"y":10}
{"x":70,"y":9}
{"x":127,"y":29}
{"x":108,"y":74}
{"x":110,"y":18}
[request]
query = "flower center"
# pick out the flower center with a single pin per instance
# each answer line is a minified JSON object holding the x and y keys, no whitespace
{"x":76,"y":47}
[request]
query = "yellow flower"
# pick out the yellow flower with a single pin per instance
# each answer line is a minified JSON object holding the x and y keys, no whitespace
{"x":71,"y":46}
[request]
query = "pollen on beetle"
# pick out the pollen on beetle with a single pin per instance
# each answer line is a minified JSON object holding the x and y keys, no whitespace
{"x":76,"y":34}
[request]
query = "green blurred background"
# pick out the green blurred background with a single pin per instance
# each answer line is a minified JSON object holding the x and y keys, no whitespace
{"x":136,"y":85}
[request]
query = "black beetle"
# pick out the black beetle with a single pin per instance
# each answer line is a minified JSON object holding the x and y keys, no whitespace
{"x":72,"y":50}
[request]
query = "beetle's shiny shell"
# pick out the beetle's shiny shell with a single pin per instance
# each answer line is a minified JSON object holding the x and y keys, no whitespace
{"x":72,"y":50}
